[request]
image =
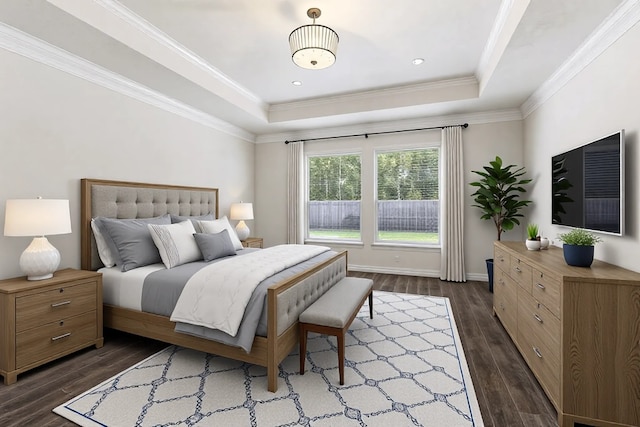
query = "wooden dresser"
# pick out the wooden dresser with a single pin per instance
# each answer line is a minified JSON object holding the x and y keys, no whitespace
{"x":43,"y":320}
{"x":578,"y":329}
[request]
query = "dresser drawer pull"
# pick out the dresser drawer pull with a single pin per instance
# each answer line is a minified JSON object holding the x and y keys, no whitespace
{"x":538,"y":318}
{"x":59,"y":304}
{"x":59,"y":337}
{"x":541,"y":286}
{"x":517,"y":269}
{"x":537,"y":352}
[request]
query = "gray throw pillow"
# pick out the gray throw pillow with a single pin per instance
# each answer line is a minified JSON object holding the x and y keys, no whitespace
{"x":130,"y":240}
{"x":214,"y":246}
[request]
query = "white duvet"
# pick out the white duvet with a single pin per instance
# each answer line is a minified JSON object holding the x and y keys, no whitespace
{"x":217,"y":295}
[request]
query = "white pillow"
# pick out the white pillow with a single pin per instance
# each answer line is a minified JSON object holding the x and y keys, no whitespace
{"x":103,"y":250}
{"x":175,"y":242}
{"x":217,"y":225}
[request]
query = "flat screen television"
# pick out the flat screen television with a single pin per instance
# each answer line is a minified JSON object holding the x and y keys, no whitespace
{"x":587,"y":186}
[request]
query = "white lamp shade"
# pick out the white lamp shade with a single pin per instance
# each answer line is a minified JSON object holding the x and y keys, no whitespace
{"x":313,"y":46}
{"x":241,"y":211}
{"x":37,"y":217}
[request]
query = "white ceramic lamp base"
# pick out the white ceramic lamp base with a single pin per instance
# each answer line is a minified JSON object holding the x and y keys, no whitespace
{"x":242,"y":230}
{"x":40,"y":259}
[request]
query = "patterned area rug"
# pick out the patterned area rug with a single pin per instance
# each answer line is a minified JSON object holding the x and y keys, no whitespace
{"x":404,"y":367}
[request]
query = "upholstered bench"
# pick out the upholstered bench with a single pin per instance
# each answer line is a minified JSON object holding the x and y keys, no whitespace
{"x":333,"y":313}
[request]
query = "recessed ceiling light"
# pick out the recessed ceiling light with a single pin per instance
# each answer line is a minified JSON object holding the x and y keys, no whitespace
{"x":296,"y":83}
{"x":417,"y":61}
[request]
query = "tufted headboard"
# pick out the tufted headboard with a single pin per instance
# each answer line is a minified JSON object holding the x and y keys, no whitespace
{"x":120,"y":199}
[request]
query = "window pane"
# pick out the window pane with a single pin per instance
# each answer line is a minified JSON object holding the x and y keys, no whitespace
{"x":334,"y":197}
{"x":408,"y":197}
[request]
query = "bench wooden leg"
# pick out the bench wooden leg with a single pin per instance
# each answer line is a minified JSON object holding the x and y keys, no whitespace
{"x":340,"y":337}
{"x":371,"y":305}
{"x":303,"y":347}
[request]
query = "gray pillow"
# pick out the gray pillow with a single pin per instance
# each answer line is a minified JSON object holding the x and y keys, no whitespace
{"x":130,"y":240}
{"x":214,"y":246}
{"x":194,"y":219}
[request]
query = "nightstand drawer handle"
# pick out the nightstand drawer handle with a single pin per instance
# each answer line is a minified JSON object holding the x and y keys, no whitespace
{"x":59,"y":304}
{"x":518,"y":269}
{"x":538,"y":318}
{"x":541,"y":286}
{"x":59,"y":337}
{"x":537,"y":352}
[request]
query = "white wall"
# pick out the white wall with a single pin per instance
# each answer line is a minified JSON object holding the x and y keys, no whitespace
{"x":56,"y":129}
{"x":482,"y":142}
{"x":600,"y":100}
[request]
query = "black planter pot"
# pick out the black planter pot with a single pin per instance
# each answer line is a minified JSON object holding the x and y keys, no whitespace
{"x":490,"y":273}
{"x":577,"y":255}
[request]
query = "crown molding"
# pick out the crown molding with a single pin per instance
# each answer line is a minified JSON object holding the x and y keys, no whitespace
{"x":449,"y":120}
{"x":136,"y":21}
{"x":509,"y":16}
{"x":21,"y":43}
{"x":376,"y":93}
{"x":625,"y":16}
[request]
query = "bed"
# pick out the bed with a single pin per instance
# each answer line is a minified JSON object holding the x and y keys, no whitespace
{"x":285,"y":299}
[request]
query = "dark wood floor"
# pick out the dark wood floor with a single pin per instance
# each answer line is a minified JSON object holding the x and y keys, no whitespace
{"x":507,"y":391}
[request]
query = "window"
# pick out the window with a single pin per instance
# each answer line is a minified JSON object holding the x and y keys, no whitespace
{"x":334,"y":197}
{"x":408,"y":205}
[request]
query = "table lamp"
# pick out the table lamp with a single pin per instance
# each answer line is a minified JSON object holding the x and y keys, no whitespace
{"x":38,"y":217}
{"x":241,"y":211}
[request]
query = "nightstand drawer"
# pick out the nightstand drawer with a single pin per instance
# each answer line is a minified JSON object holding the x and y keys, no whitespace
{"x":252,"y":242}
{"x":45,"y":307}
{"x":54,"y":338}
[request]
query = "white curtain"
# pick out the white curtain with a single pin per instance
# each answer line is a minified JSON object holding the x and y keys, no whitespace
{"x":295,"y":192}
{"x":452,"y":233}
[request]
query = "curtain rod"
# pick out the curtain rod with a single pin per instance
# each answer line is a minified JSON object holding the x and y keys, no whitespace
{"x":366,"y":135}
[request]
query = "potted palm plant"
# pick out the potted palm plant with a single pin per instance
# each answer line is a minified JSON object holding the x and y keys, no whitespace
{"x":498,"y":198}
{"x":578,"y":246}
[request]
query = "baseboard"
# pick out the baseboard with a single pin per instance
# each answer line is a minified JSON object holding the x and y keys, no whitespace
{"x":480,"y":277}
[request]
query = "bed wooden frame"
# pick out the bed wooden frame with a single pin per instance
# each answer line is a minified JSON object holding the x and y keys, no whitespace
{"x":266,"y":351}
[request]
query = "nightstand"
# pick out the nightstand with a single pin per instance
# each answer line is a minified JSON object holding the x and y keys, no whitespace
{"x":43,"y":320}
{"x":252,"y":242}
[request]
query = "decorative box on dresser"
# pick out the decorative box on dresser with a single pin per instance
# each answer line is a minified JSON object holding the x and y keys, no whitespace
{"x":577,"y":328}
{"x":252,"y":242}
{"x":43,"y":320}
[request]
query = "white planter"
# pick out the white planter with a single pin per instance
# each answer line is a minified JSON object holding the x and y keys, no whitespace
{"x":544,"y":243}
{"x":533,"y":245}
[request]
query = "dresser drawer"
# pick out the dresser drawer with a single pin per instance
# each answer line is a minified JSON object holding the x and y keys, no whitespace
{"x":521,"y":272}
{"x":546,"y":289}
{"x":535,"y":319}
{"x":505,"y":301}
{"x":501,"y":259}
{"x":545,"y":367}
{"x":55,"y":304}
{"x":56,"y":337}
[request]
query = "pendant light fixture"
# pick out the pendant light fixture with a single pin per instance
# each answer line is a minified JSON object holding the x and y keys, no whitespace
{"x":313,"y":46}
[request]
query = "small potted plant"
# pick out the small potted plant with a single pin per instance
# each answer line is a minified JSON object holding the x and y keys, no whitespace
{"x":578,"y":245}
{"x":533,"y":238}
